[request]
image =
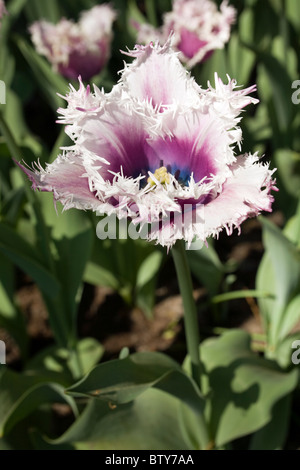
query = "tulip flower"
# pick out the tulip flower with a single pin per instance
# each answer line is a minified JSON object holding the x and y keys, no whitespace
{"x":159,"y":147}
{"x":199,"y":29}
{"x":3,"y":10}
{"x":74,"y":49}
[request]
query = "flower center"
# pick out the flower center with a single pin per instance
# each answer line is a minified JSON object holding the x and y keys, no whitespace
{"x":161,"y":175}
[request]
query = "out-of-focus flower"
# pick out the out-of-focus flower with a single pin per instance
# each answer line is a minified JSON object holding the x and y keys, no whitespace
{"x":75,"y":49}
{"x":156,"y":144}
{"x":199,"y":28}
{"x":3,"y":10}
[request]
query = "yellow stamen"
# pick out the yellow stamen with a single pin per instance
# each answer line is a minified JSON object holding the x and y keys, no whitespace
{"x":161,"y":175}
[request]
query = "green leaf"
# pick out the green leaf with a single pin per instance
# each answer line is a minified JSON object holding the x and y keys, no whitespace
{"x":10,"y":317}
{"x":286,"y":55}
{"x":15,"y":8}
{"x":121,"y":381}
{"x":292,"y":227}
{"x":279,"y":274}
{"x":243,"y":387}
{"x":89,"y":352}
{"x":149,"y":268}
{"x":288,"y":164}
{"x":102,"y":268}
{"x":63,"y":140}
{"x":128,"y":266}
{"x":261,"y":35}
{"x":265,"y":279}
{"x":72,"y":238}
{"x":18,"y":438}
{"x":52,"y":363}
{"x":241,"y":60}
{"x":49,"y":10}
{"x":49,"y":82}
{"x":62,"y":363}
{"x":35,"y":397}
{"x":257,"y":129}
{"x":293,"y":12}
{"x":5,"y":445}
{"x":274,"y":434}
{"x":291,"y":317}
{"x":135,"y":14}
{"x":192,"y":427}
{"x":12,"y":207}
{"x":280,"y":83}
{"x":207,"y":268}
{"x":13,"y":385}
{"x":14,"y":117}
{"x":149,"y":423}
{"x":246,"y":25}
{"x":240,"y":294}
{"x":71,"y":267}
{"x":151,"y":12}
{"x":7,"y":61}
{"x":285,"y":350}
{"x":145,"y":297}
{"x":22,"y":394}
{"x":97,"y":275}
{"x":39,"y":442}
{"x":24,"y":256}
{"x":217,"y":62}
{"x":7,"y":287}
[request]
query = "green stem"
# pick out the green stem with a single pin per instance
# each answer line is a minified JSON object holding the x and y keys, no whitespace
{"x":241,"y":294}
{"x":191,"y":329}
{"x":190,"y":311}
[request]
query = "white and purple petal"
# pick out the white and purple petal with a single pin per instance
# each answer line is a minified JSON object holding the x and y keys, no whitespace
{"x":199,"y":145}
{"x":117,"y":138}
{"x":67,"y":179}
{"x":157,"y":76}
{"x":246,"y":193}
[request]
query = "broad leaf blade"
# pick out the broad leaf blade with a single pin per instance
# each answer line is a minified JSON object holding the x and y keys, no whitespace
{"x":244,"y":387}
{"x":123,"y":380}
{"x":278,"y":274}
{"x":149,"y":423}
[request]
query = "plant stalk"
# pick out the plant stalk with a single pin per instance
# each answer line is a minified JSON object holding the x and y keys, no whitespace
{"x":189,"y":306}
